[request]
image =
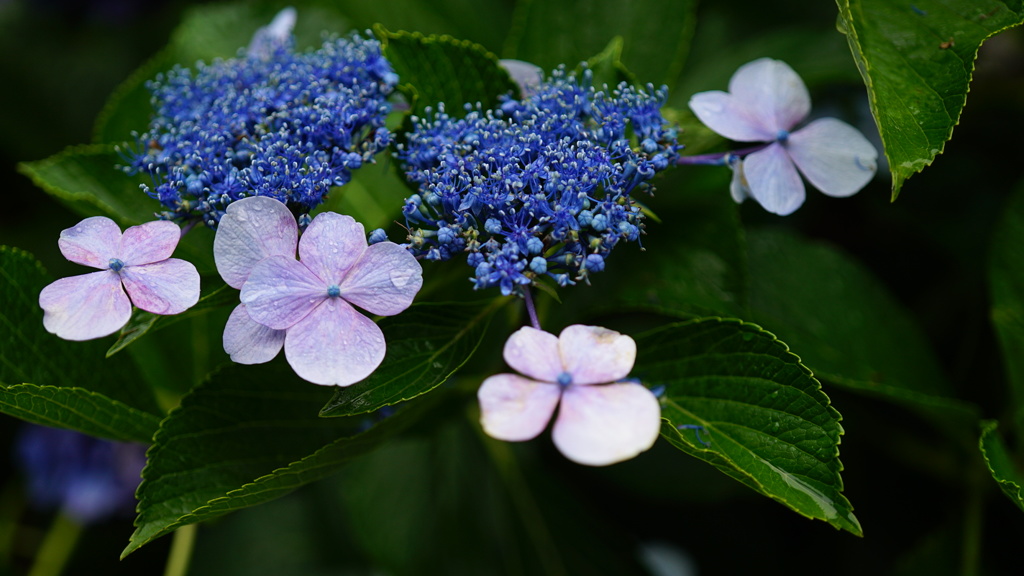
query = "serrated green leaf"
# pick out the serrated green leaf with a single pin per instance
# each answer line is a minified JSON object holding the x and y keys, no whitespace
{"x":1006,"y":286}
{"x":762,"y":416}
{"x":917,"y":60}
{"x":78,"y":409}
{"x":426,"y":345}
{"x":657,"y":34}
{"x":435,"y":69}
{"x":1005,"y":472}
{"x":246,"y":436}
{"x":32,"y":355}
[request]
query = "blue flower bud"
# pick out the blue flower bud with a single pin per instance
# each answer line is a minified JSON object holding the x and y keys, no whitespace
{"x":595,"y":263}
{"x":378,"y":235}
{"x":539,"y":265}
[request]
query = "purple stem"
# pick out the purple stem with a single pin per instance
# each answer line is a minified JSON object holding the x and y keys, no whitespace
{"x":530,"y":308}
{"x":719,"y":158}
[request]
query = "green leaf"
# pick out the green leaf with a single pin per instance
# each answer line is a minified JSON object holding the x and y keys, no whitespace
{"x":78,"y":409}
{"x":246,"y":436}
{"x":917,"y":60}
{"x":374,"y":196}
{"x":1006,"y":286}
{"x":31,"y":355}
{"x":656,"y":34}
{"x":1005,"y":472}
{"x":426,"y":345}
{"x":434,"y":69}
{"x":762,"y":416}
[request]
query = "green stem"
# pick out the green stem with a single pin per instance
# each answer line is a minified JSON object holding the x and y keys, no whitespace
{"x":181,"y":551}
{"x":56,"y":548}
{"x":971,"y":543}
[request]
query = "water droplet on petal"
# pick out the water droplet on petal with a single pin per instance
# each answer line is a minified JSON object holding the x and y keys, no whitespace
{"x":400,"y":278}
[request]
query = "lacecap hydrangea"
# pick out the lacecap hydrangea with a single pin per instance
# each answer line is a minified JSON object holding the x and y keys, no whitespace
{"x":269,"y":122}
{"x":540,"y":186}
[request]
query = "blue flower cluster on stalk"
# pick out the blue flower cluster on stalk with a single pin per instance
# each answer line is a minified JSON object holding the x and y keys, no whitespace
{"x":540,"y":186}
{"x":270,"y":122}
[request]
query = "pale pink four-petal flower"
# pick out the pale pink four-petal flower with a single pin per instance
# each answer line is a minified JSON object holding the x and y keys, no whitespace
{"x":766,"y":100}
{"x":309,"y":302}
{"x":600,"y":420}
{"x":137,"y":262}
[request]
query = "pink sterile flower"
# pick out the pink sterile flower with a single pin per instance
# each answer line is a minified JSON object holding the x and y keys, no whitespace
{"x":601,"y":421}
{"x":327,"y":341}
{"x":766,"y":99}
{"x":139,"y":261}
{"x":250,"y":230}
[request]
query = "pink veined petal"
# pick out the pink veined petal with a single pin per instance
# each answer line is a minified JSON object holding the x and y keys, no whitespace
{"x":773,"y":180}
{"x":834,"y":156}
{"x":148,"y":243}
{"x":91,"y":242}
{"x":771,"y":93}
{"x":334,"y":345}
{"x":601,"y":425}
{"x":250,"y":230}
{"x":595,"y":355}
{"x":331,"y":244}
{"x":281,"y":291}
{"x":514,"y":408}
{"x":384,"y":281}
{"x":167,"y":287}
{"x":534,"y":353}
{"x":248,"y":341}
{"x":723,"y":114}
{"x":84,"y":307}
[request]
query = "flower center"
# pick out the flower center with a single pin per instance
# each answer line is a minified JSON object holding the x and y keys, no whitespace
{"x":564,"y":379}
{"x":116,"y":264}
{"x":782,"y":135}
{"x":333,"y":291}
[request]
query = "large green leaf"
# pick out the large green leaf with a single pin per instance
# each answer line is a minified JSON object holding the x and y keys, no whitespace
{"x":917,"y":60}
{"x":761,"y":416}
{"x":31,"y":355}
{"x":426,"y":345}
{"x":1005,"y":472}
{"x":1006,"y":285}
{"x":656,"y":34}
{"x":78,"y":409}
{"x":248,"y":435}
{"x":435,"y":69}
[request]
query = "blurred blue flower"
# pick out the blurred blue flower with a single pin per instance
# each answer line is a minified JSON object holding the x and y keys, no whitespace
{"x":548,"y":176}
{"x":90,"y":479}
{"x":269,"y":122}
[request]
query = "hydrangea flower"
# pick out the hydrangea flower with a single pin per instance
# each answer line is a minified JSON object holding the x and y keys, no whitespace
{"x":88,"y":478}
{"x":269,"y":122}
{"x":540,"y":186}
{"x":601,"y":419}
{"x":766,"y":100}
{"x":138,"y":262}
{"x":311,"y":299}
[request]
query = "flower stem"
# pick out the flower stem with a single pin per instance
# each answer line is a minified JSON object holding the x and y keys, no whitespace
{"x":181,"y":551}
{"x":54,"y":552}
{"x":719,"y":158}
{"x":530,"y":308}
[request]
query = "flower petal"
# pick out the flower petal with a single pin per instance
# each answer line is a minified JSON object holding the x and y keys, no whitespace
{"x":723,"y":114}
{"x":149,"y":242}
{"x":334,"y":345}
{"x":771,"y":93}
{"x":384,"y":281}
{"x":601,"y":425}
{"x":281,"y":291}
{"x":534,"y":353}
{"x":91,"y":242}
{"x":515,"y":409}
{"x":595,"y":355}
{"x":250,"y":230}
{"x":331,"y":244}
{"x":773,"y":180}
{"x":739,"y":189}
{"x":167,"y":287}
{"x":834,"y":156}
{"x":528,"y":76}
{"x":85,"y":307}
{"x":248,"y":341}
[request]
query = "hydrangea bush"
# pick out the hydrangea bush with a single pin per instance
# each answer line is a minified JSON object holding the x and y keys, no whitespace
{"x":429,"y":235}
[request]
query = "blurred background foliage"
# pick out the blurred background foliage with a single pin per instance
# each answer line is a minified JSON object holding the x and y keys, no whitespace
{"x":440,"y":501}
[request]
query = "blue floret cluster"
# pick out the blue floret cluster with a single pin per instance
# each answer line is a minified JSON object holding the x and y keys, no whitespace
{"x":270,"y":122}
{"x":540,"y":186}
